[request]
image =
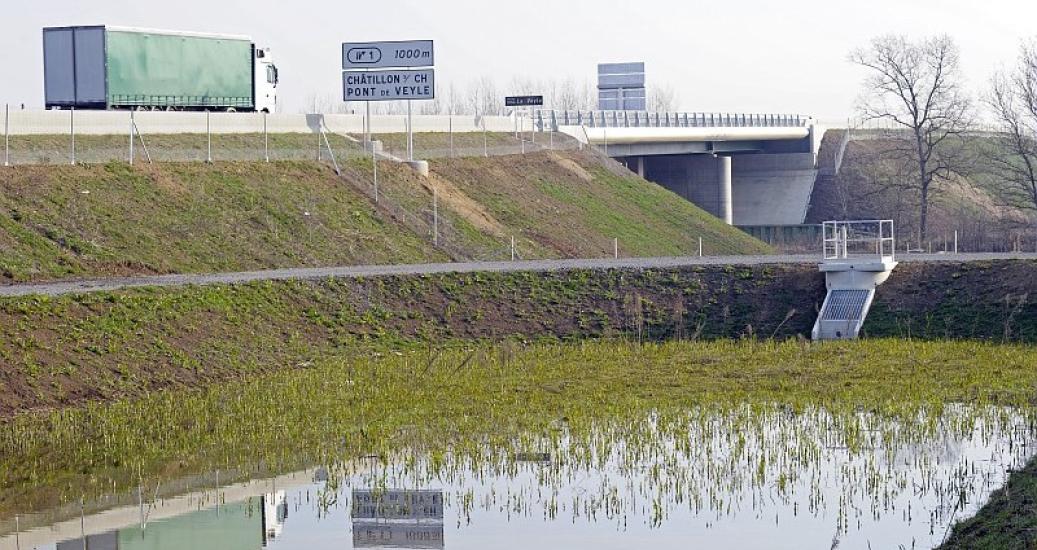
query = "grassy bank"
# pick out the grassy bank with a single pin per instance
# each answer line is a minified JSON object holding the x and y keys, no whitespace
{"x":977,"y":300}
{"x":1007,"y":522}
{"x":358,"y":402}
{"x":72,"y":349}
{"x":66,"y":350}
{"x":114,"y":219}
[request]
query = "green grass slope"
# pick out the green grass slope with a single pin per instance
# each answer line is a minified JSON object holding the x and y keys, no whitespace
{"x":568,"y":204}
{"x":61,"y":222}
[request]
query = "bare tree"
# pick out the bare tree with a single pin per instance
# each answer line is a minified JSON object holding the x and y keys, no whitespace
{"x":1013,"y":99}
{"x":434,"y":106}
{"x":662,"y":98}
{"x":568,"y":95}
{"x":917,"y":86}
{"x":482,"y":99}
{"x":454,"y":100}
{"x":320,"y":103}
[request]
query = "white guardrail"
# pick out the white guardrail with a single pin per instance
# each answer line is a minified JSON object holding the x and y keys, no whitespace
{"x":552,"y":120}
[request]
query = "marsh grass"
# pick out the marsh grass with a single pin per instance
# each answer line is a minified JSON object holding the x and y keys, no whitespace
{"x":464,"y":401}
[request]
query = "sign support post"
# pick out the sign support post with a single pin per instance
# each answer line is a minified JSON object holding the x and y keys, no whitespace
{"x":367,"y":126}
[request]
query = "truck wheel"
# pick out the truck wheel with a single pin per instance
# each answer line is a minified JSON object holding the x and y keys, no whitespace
{"x":231,"y":110}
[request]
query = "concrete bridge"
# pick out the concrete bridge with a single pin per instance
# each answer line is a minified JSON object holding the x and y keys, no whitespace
{"x":746,"y":169}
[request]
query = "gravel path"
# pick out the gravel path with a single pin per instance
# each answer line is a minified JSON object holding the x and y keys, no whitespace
{"x":116,"y":283}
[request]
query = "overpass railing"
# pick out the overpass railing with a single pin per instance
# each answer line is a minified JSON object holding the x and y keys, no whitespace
{"x":551,"y":120}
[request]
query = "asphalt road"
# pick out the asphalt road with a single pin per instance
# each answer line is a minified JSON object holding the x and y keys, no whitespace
{"x":117,"y":283}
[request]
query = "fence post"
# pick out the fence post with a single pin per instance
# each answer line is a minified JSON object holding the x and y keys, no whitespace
{"x":7,"y":134}
{"x":955,"y":241}
{"x":367,"y":123}
{"x":435,"y":216}
{"x":131,"y":137}
{"x":451,"y":130}
{"x":513,"y":248}
{"x":72,"y":132}
{"x":700,"y":247}
{"x":266,"y":139}
{"x":485,"y":141}
{"x":208,"y":139}
{"x":615,"y":248}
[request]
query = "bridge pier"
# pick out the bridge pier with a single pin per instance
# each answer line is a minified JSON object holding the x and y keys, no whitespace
{"x":725,"y":203}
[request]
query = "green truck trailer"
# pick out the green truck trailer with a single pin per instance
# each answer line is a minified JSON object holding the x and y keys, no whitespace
{"x":103,"y":67}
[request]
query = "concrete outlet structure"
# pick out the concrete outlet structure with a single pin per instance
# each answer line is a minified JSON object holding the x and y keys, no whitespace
{"x":858,"y":257}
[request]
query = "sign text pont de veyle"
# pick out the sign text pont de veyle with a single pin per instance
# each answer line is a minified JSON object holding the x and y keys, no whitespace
{"x":389,"y":85}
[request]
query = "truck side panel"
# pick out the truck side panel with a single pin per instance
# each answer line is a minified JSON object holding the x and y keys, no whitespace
{"x":178,"y":71}
{"x":59,"y":83}
{"x":90,"y":71}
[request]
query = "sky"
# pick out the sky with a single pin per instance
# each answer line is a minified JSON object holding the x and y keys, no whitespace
{"x":736,"y":56}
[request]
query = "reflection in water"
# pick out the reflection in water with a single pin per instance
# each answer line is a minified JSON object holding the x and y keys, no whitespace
{"x":397,"y":518}
{"x":275,"y":513}
{"x":759,"y":476}
{"x":104,"y":541}
{"x":229,"y":527}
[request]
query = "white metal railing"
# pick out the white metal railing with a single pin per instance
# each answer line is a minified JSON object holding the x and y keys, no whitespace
{"x":552,"y":120}
{"x":862,"y":239}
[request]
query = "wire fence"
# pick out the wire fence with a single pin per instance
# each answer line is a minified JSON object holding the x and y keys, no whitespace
{"x":92,"y":137}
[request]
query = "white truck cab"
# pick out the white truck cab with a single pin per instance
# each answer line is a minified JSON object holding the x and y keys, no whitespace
{"x":266,"y":81}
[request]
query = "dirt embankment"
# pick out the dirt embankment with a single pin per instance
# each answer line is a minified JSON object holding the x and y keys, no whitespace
{"x":63,"y":351}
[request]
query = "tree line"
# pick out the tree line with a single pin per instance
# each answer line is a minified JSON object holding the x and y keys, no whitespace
{"x":917,"y":87}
